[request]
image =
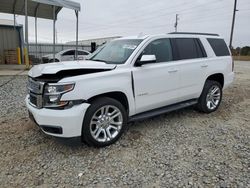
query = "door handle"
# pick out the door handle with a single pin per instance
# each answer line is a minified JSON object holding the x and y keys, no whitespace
{"x":173,"y":71}
{"x":204,"y":66}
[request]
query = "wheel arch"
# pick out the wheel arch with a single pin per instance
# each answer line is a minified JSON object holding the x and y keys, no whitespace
{"x":219,"y":77}
{"x":117,"y":95}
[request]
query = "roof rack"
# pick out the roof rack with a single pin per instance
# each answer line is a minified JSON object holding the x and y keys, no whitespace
{"x":190,"y":33}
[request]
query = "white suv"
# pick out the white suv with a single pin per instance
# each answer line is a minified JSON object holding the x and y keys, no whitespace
{"x":128,"y":79}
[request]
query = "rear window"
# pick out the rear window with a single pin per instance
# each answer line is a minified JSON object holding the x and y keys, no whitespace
{"x":82,"y":53}
{"x":219,"y":47}
{"x":189,"y":48}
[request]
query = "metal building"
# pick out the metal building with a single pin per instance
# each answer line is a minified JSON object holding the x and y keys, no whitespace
{"x":47,"y":9}
{"x":98,"y":41}
{"x":11,"y":39}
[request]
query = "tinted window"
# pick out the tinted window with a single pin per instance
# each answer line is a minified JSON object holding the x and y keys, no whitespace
{"x":161,"y":48}
{"x":82,"y":53}
{"x":70,"y":52}
{"x":189,"y":48}
{"x":219,"y":46}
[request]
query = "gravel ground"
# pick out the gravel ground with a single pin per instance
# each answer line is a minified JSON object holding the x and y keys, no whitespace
{"x":179,"y":149}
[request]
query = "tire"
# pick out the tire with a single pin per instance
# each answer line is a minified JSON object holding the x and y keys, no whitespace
{"x":99,"y":124}
{"x":52,"y":61}
{"x":209,"y":101}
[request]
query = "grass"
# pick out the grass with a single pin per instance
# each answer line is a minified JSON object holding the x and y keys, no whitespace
{"x":241,"y":58}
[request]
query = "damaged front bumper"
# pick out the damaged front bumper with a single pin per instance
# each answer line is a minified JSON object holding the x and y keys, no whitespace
{"x":66,"y":123}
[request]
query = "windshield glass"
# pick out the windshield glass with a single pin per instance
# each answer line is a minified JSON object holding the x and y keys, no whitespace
{"x":116,"y":52}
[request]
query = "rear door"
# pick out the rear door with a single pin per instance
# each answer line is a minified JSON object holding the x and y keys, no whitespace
{"x":192,"y":63}
{"x":156,"y":84}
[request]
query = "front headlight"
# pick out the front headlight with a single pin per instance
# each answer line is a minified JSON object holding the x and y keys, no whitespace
{"x":59,"y":88}
{"x":54,"y":92}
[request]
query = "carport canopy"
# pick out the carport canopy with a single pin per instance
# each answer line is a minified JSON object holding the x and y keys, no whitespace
{"x":47,"y":9}
{"x":37,"y":8}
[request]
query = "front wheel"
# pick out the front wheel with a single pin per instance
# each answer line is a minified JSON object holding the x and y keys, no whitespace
{"x":104,"y":122}
{"x":211,"y":97}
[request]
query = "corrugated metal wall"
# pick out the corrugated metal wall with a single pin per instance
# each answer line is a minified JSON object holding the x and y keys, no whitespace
{"x":9,"y":39}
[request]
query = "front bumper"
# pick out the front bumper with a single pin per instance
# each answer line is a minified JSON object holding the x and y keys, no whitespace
{"x":68,"y":122}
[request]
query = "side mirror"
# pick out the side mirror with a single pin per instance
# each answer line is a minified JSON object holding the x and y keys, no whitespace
{"x":146,"y":59}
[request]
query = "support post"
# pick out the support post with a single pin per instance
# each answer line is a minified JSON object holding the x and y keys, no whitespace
{"x":15,"y":21}
{"x":36,"y":35}
{"x":77,"y":20}
{"x":54,"y":33}
{"x":232,"y":28}
{"x":26,"y":50}
{"x":176,"y":22}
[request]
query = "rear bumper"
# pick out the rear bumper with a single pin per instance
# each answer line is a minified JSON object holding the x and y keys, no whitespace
{"x":229,"y":80}
{"x":60,"y":123}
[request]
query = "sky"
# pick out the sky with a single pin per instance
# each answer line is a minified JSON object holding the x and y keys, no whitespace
{"x":105,"y":18}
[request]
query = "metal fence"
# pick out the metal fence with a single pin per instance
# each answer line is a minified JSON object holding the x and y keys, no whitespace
{"x":43,"y":49}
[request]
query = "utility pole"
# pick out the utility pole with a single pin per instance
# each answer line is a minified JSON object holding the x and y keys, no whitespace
{"x":233,"y":21}
{"x":176,"y":22}
{"x":56,"y":37}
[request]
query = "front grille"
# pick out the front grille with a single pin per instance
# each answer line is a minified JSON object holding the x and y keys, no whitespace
{"x":35,"y":86}
{"x":35,"y":93}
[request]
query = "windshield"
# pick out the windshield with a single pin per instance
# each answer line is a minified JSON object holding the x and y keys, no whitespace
{"x":115,"y":52}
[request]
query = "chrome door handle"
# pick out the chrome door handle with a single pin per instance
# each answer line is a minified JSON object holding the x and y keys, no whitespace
{"x":172,"y":71}
{"x":204,"y":66}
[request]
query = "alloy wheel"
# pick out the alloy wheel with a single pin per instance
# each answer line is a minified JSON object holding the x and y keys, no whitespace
{"x":213,"y":97}
{"x":106,"y":123}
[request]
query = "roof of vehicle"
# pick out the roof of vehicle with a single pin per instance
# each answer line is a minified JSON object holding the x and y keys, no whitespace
{"x":193,"y":33}
{"x":72,"y":49}
{"x":171,"y":35}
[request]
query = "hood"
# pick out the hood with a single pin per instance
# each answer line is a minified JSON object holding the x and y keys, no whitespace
{"x":69,"y":66}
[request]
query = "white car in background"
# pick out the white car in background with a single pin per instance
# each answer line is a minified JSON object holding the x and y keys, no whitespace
{"x":66,"y":55}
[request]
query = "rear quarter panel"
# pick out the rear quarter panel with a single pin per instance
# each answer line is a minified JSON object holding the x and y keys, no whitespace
{"x":216,"y":64}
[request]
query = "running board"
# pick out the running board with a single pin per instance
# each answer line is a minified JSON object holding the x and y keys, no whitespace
{"x":163,"y":110}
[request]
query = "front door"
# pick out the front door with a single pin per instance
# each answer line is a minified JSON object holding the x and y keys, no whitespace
{"x":156,"y":84}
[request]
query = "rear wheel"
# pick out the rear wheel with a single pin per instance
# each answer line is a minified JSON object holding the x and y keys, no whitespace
{"x":104,"y":122}
{"x":211,"y":97}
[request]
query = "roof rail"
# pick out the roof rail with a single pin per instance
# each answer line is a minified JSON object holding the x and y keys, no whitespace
{"x":190,"y":33}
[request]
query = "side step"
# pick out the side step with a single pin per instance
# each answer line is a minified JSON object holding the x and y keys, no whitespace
{"x":163,"y":110}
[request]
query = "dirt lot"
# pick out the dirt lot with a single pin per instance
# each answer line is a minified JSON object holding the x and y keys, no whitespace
{"x":179,"y":149}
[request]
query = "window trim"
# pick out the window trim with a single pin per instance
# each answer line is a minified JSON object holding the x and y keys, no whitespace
{"x":203,"y":51}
